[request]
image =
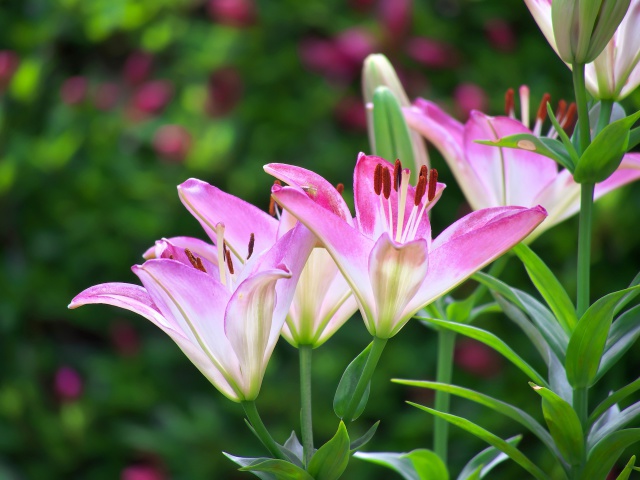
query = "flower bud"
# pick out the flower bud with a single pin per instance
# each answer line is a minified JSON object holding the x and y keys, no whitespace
{"x":582,"y":28}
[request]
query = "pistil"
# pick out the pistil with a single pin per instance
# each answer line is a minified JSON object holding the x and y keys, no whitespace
{"x":524,"y":105}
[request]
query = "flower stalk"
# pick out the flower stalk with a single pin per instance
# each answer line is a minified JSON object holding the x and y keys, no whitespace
{"x":261,"y":431}
{"x":305,"y":352}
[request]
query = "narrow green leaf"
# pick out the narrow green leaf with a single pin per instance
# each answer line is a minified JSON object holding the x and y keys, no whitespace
{"x":497,"y":442}
{"x":532,"y":143}
{"x":569,"y":148}
{"x":634,"y":138}
{"x":331,"y":459}
{"x":392,"y":138}
{"x":629,"y":296}
{"x":520,"y":416}
{"x":564,"y":425}
{"x":247,"y":461}
{"x":492,"y":341}
{"x":428,"y":465}
{"x":481,"y":464}
{"x":348,"y":383}
{"x":549,"y":287}
{"x":614,"y":398}
{"x":605,"y":454}
{"x":602,"y":157}
{"x":624,"y":332}
{"x":618,"y":422}
{"x":626,"y":471}
{"x":398,"y":462}
{"x":294,"y":446}
{"x":364,"y":439}
{"x":588,"y":341}
{"x":280,"y":469}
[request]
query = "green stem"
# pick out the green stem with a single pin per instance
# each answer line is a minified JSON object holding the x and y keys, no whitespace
{"x":446,"y":342}
{"x":306,"y":418}
{"x":261,"y":431}
{"x":581,"y":404}
{"x":581,"y":104}
{"x":369,"y":367}
{"x":584,"y":246}
{"x":606,"y":107}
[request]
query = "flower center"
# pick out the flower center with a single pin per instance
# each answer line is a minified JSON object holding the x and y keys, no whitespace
{"x":425,"y":189}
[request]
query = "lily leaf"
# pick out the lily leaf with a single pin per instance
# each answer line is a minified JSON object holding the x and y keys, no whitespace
{"x":247,"y":461}
{"x":548,"y":147}
{"x":634,"y":138}
{"x":624,"y":332}
{"x":606,"y":453}
{"x":331,"y":459}
{"x":513,"y":453}
{"x":619,"y":421}
{"x":280,"y":469}
{"x":602,"y":157}
{"x":626,"y":471}
{"x":564,"y":425}
{"x":520,"y":416}
{"x":549,"y":287}
{"x":566,"y":141}
{"x":492,"y":341}
{"x":588,"y":341}
{"x":416,"y":465}
{"x":629,"y":296}
{"x":364,"y":439}
{"x":294,"y":446}
{"x":348,"y":383}
{"x":614,"y":398}
{"x":480,"y":465}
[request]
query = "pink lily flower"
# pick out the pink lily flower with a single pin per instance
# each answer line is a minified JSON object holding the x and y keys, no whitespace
{"x":224,"y":305}
{"x":492,"y":177}
{"x":615,"y":73}
{"x":386,"y":253}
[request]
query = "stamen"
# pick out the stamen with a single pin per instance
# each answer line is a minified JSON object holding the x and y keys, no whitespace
{"x":421,"y":189}
{"x":524,"y":105}
{"x":252,"y":241}
{"x":228,"y":256}
{"x":397,"y":169}
{"x":509,"y":109}
{"x":424,"y":171}
{"x":433,"y":180}
{"x":570,"y":119}
{"x":171,"y":257}
{"x":541,"y":115}
{"x":386,"y":182}
{"x":221,"y":256}
{"x":340,"y":188}
{"x":272,"y":202}
{"x":196,"y":262}
{"x":377,"y":179}
{"x":404,"y":187}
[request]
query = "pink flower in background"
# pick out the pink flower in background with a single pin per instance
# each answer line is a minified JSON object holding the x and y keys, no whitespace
{"x":74,"y":90}
{"x":395,"y":18}
{"x":125,"y":338}
{"x":106,"y":96}
{"x":224,"y":304}
{"x":172,"y":142}
{"x":477,"y":359}
{"x":224,"y":91}
{"x":355,"y":44}
{"x":153,"y":96}
{"x":500,"y":34}
{"x":386,"y":254}
{"x":9,"y":62}
{"x":491,"y":176}
{"x":137,"y":67}
{"x":235,"y":13}
{"x":68,"y":384}
{"x":350,"y":113}
{"x":432,"y":53}
{"x":469,"y":97}
{"x":142,"y":472}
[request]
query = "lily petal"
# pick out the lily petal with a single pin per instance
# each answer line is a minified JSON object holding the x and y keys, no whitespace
{"x":396,"y":272}
{"x":211,"y":206}
{"x":197,"y":246}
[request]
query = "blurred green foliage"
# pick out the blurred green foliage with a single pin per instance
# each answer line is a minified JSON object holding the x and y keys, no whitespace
{"x":107,"y":105}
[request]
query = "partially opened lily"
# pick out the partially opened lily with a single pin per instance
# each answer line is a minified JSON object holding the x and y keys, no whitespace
{"x":615,"y":73}
{"x":224,"y":305}
{"x":492,"y":176}
{"x":386,"y":252}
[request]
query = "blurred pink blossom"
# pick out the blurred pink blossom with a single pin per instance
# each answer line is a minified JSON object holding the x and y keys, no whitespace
{"x":236,"y":13}
{"x":500,"y":34}
{"x":322,"y":56}
{"x":137,"y":67}
{"x":9,"y":62}
{"x":106,"y":96}
{"x":362,"y":5}
{"x":468,"y":97}
{"x":351,"y":114}
{"x":68,"y":384}
{"x":356,"y":44}
{"x":152,"y":96}
{"x":124,"y":338}
{"x":142,"y":472}
{"x":432,"y":53}
{"x":172,"y":142}
{"x":476,"y":358}
{"x":395,"y":17}
{"x":225,"y":90}
{"x":74,"y":90}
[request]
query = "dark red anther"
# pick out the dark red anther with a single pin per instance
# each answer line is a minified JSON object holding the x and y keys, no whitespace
{"x":424,"y":172}
{"x":433,"y":180}
{"x":340,"y":188}
{"x":227,"y":255}
{"x":562,"y":109}
{"x":252,"y":242}
{"x":196,"y":262}
{"x":397,"y":174}
{"x":377,"y":179}
{"x":386,"y":183}
{"x":421,"y":188}
{"x":508,"y":102}
{"x":542,"y":109}
{"x":569,"y":120}
{"x":272,"y":207}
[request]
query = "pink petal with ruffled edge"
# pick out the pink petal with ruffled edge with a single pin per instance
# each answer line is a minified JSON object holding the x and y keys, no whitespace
{"x":211,"y":206}
{"x":470,"y":244}
{"x":135,"y":299}
{"x":396,"y":272}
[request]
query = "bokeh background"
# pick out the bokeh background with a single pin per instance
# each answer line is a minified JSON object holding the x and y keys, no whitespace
{"x":107,"y":105}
